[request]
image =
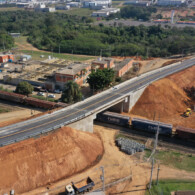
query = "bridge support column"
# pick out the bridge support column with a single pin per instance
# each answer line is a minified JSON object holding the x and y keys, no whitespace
{"x":85,"y":124}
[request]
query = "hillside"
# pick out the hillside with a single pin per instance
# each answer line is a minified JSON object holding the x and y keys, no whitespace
{"x":36,"y":162}
{"x":167,"y":99}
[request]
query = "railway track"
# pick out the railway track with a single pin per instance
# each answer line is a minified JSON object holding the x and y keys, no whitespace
{"x":163,"y":141}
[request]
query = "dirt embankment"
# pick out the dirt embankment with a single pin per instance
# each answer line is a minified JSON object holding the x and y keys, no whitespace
{"x":37,"y":162}
{"x":166,"y":98}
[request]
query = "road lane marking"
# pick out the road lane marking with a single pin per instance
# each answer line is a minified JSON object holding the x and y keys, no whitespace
{"x":79,"y":110}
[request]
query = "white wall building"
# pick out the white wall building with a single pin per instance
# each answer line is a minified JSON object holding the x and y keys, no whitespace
{"x":105,"y":12}
{"x":170,"y":2}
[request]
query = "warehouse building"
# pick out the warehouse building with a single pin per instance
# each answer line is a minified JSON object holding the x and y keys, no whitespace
{"x":123,"y":67}
{"x":75,"y":72}
{"x":170,"y":2}
{"x":105,"y":12}
{"x":138,"y":3}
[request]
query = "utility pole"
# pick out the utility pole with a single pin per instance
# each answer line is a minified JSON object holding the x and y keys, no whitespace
{"x":156,"y":140}
{"x":151,"y":173}
{"x":157,"y":174}
{"x":102,"y":178}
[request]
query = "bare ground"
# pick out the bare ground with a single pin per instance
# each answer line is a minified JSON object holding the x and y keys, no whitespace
{"x":117,"y":165}
{"x":167,"y":100}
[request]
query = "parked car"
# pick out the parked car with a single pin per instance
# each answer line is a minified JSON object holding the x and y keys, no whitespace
{"x":57,"y":91}
{"x":51,"y":96}
{"x":40,"y":94}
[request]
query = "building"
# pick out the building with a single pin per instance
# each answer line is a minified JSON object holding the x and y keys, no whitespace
{"x":6,"y":58}
{"x":97,"y":4}
{"x":42,"y":8}
{"x":25,"y":58}
{"x":73,"y":4}
{"x":138,"y":3}
{"x":123,"y":67}
{"x":15,"y":35}
{"x":170,"y":2}
{"x":75,"y":72}
{"x":102,"y":63}
{"x":62,"y":7}
{"x":105,"y":12}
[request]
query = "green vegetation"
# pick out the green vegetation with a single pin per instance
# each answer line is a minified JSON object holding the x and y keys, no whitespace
{"x":71,"y":93}
{"x":100,"y":79}
{"x":76,"y":34}
{"x":175,"y":159}
{"x":165,"y":187}
{"x":6,"y":41}
{"x":36,"y":55}
{"x":3,"y":110}
{"x":24,"y":88}
{"x":3,"y":89}
{"x":44,"y":98}
{"x":79,"y":12}
{"x":134,"y":12}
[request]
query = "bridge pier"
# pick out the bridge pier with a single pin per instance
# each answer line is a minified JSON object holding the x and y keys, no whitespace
{"x":127,"y":104}
{"x":85,"y":124}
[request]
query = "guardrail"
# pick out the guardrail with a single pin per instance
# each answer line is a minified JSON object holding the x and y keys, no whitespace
{"x":88,"y":99}
{"x":43,"y":131}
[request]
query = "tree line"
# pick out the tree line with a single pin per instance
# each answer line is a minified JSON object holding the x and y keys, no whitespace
{"x":73,"y":34}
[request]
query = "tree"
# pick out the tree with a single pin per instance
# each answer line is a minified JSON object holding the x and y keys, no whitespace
{"x":100,"y":79}
{"x":71,"y":93}
{"x":24,"y":88}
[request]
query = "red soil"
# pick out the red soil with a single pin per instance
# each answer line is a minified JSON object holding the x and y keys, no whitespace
{"x":167,"y":99}
{"x":36,"y":162}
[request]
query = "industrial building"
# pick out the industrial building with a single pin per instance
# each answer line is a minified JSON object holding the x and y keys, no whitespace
{"x":76,"y":72}
{"x":97,"y":4}
{"x":123,"y":67}
{"x":170,"y":2}
{"x":42,"y":8}
{"x":138,"y":3}
{"x":105,"y":12}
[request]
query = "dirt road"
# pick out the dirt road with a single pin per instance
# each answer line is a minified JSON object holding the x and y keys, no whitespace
{"x":117,"y":165}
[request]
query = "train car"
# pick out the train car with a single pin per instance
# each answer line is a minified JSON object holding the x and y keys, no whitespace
{"x":151,"y":126}
{"x":14,"y":97}
{"x":113,"y":118}
{"x":185,"y":133}
{"x":40,"y":103}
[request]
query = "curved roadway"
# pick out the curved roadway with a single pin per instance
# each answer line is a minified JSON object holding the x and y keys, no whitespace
{"x":23,"y":130}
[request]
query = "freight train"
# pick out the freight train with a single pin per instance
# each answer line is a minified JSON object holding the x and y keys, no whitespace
{"x":18,"y":98}
{"x":146,"y":125}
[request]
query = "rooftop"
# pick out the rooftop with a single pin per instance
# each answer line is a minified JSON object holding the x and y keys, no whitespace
{"x":73,"y":69}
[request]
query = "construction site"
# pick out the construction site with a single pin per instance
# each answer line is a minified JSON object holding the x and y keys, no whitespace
{"x":49,"y":167}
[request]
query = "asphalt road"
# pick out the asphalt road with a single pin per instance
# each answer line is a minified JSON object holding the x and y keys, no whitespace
{"x":28,"y":128}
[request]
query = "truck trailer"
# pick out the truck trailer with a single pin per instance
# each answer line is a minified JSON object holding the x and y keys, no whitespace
{"x":85,"y":185}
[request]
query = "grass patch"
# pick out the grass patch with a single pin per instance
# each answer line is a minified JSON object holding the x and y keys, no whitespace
{"x":36,"y":55}
{"x":79,"y":12}
{"x":3,"y":89}
{"x":44,"y":98}
{"x":174,"y":159}
{"x":165,"y":187}
{"x":21,"y":40}
{"x":3,"y":110}
{"x":2,"y":9}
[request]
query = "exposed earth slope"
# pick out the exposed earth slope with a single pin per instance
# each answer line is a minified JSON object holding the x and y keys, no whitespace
{"x":37,"y":162}
{"x":167,"y":99}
